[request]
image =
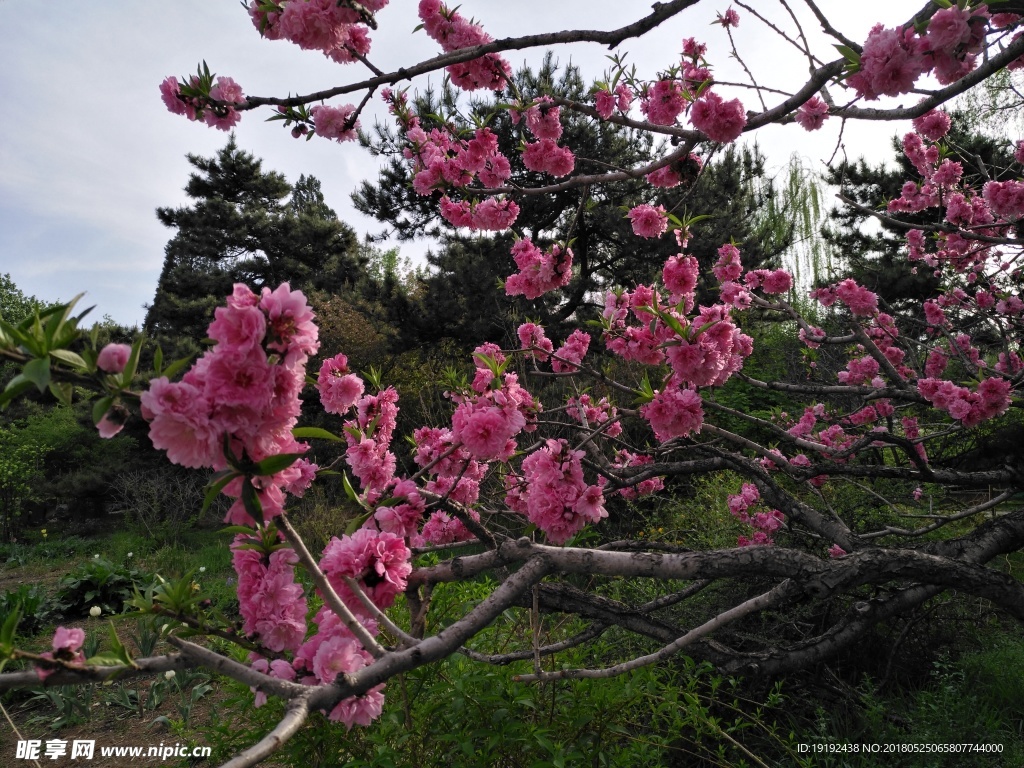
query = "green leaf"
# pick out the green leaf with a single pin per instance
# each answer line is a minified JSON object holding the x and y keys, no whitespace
{"x":172,"y":370}
{"x":70,"y":358}
{"x":849,"y":54}
{"x":312,"y":433}
{"x":356,"y":523}
{"x":274,"y":464}
{"x":37,"y":371}
{"x":251,"y":500}
{"x":133,"y":363}
{"x":10,"y":626}
{"x":349,"y":490}
{"x":216,"y":485}
{"x":100,"y":409}
{"x":62,"y":391}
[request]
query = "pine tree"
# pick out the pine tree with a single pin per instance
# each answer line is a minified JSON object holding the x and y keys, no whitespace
{"x":246,"y":225}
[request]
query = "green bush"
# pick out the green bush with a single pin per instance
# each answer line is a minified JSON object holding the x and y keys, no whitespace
{"x":98,"y":582}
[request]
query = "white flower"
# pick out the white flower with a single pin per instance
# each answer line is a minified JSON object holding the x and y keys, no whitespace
{"x":95,"y":557}
{"x":129,"y":554}
{"x":202,"y":569}
{"x":95,"y":611}
{"x":169,"y":674}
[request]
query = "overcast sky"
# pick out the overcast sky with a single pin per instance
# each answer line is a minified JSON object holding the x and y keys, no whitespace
{"x":88,"y":151}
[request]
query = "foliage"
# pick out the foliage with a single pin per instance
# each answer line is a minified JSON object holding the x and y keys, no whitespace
{"x":99,"y":582}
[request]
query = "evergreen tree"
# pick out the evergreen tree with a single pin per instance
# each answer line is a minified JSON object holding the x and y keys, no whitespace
{"x":246,"y":225}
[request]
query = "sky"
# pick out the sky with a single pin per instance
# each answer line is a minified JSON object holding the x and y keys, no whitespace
{"x":88,"y":151}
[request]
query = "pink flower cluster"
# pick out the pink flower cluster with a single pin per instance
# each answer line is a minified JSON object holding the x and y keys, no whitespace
{"x":487,"y":423}
{"x":539,"y":271}
{"x":453,"y":31}
{"x":443,"y":162}
{"x":318,"y":25}
{"x":331,"y":652}
{"x":369,"y":440}
{"x":710,"y":357}
{"x":532,"y":337}
{"x":378,"y":560}
{"x":492,"y":213}
{"x":990,"y":399}
{"x":221,"y":116}
{"x":606,"y":101}
{"x":719,"y":120}
{"x":568,"y":356}
{"x":245,"y":390}
{"x":663,"y":102}
{"x":272,"y":605}
{"x":648,"y":221}
{"x":674,"y":412}
{"x":860,"y":300}
{"x":763,"y":523}
{"x":455,"y":474}
{"x":593,"y":414}
{"x":339,"y":389}
{"x":545,"y":156}
{"x":552,"y":493}
{"x":893,"y":59}
{"x":335,"y":122}
{"x":680,"y":275}
{"x":812,"y":114}
{"x":543,"y":119}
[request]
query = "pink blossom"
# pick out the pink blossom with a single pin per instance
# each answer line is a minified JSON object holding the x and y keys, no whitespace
{"x":334,"y":122}
{"x":728,"y":266}
{"x":224,"y":117}
{"x":553,"y":494}
{"x":571,"y":353}
{"x":777,"y":281}
{"x":720,"y":120}
{"x":170,"y":92}
{"x":933,"y":125}
{"x":948,"y":29}
{"x":665,"y":177}
{"x":543,"y":119}
{"x":729,"y":19}
{"x":674,"y":413}
{"x":113,"y":357}
{"x":812,"y":113}
{"x":545,"y":156}
{"x":664,"y":102}
{"x":290,"y":327}
{"x":648,"y":221}
{"x":890,"y":63}
{"x":339,"y":389}
{"x":494,"y":214}
{"x":680,"y":274}
{"x":539,"y":271}
{"x":604,"y":103}
{"x":532,"y":337}
{"x":379,"y":560}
